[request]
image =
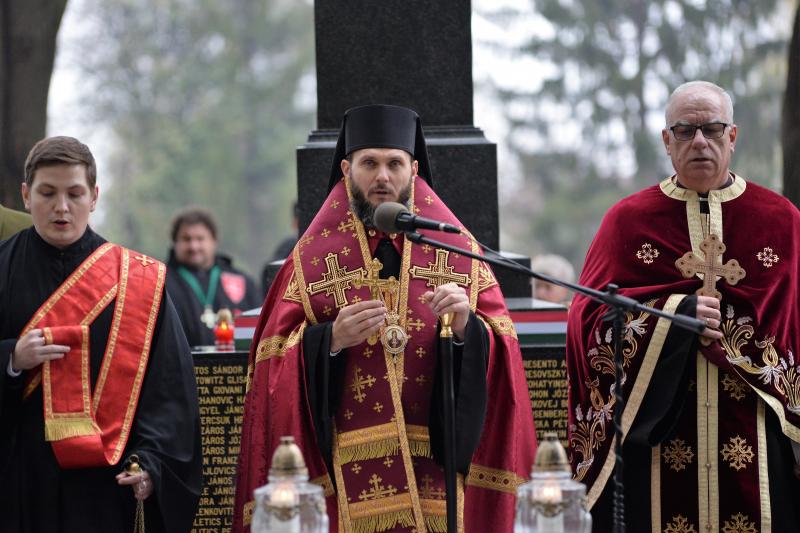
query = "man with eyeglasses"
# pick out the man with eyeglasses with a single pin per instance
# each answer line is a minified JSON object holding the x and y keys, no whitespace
{"x":711,"y":420}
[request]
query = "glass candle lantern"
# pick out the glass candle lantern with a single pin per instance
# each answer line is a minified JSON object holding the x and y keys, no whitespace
{"x":289,"y":503}
{"x":552,"y":502}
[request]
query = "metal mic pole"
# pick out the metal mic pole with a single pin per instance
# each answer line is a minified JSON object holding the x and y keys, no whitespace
{"x":446,"y":354}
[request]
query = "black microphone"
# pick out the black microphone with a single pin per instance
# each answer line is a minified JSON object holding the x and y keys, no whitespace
{"x":391,"y":217}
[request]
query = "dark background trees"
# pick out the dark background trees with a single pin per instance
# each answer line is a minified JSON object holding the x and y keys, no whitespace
{"x":584,"y":126}
{"x":201,"y":102}
{"x":791,"y":119}
{"x":28,"y":30}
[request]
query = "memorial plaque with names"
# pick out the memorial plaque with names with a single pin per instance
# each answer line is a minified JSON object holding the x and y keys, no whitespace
{"x":221,"y":380}
{"x":546,"y":374}
{"x":542,"y":332}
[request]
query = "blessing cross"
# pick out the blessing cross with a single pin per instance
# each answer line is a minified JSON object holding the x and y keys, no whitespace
{"x":691,"y":265}
{"x":385,"y":290}
{"x":440,"y":272}
{"x":335,"y":281}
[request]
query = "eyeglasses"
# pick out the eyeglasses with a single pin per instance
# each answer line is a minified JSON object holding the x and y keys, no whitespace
{"x":711,"y":130}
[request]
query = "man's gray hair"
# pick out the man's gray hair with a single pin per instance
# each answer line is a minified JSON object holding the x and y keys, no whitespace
{"x":555,"y":266}
{"x":698,"y":84}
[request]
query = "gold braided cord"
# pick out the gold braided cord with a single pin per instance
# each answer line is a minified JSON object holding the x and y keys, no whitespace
{"x":138,"y":524}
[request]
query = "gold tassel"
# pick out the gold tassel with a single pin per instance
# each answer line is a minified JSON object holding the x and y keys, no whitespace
{"x":371,"y":450}
{"x":64,"y":428}
{"x":436,"y":523}
{"x":383,"y":522}
{"x":420,"y":448}
{"x":138,"y":524}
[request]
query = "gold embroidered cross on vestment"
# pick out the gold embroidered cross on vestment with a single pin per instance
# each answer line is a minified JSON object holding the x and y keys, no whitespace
{"x":439,"y":272}
{"x":711,"y":267}
{"x":377,"y":491}
{"x":359,"y":385}
{"x":429,"y":491}
{"x":335,"y":281}
{"x":146,"y":261}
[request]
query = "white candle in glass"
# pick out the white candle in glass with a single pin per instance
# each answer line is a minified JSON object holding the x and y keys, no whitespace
{"x":285,"y":497}
{"x":550,"y":493}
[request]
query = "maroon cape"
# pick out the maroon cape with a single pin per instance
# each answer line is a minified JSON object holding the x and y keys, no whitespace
{"x":716,"y":449}
{"x":384,"y":474}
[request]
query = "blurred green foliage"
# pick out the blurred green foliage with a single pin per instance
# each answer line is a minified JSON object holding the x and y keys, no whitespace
{"x":585,"y":126}
{"x":201,"y":100}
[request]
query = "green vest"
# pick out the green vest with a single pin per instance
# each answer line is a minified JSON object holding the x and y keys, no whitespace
{"x":12,"y":221}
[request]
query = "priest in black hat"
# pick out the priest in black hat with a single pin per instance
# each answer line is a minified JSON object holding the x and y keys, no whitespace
{"x":345,"y":353}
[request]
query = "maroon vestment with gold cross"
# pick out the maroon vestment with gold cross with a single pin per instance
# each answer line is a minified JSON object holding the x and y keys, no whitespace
{"x":709,"y":472}
{"x":382,"y":464}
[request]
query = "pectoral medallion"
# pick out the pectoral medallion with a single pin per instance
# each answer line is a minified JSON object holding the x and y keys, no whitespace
{"x":209,"y":317}
{"x":392,"y":335}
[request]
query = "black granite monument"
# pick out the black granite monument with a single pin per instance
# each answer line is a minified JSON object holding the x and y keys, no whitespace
{"x":412,"y":53}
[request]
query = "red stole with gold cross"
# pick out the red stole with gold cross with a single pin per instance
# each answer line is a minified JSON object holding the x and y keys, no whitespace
{"x":90,"y":428}
{"x":385,"y":478}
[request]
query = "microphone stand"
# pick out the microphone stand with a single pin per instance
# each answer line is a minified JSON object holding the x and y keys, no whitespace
{"x":617,"y":305}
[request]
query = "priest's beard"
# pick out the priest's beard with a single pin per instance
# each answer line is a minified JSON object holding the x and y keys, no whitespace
{"x":365,"y":210}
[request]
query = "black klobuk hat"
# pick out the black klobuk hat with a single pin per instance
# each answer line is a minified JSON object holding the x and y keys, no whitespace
{"x":380,"y":126}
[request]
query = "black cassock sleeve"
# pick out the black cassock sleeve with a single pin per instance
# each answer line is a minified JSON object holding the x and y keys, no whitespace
{"x":166,"y":430}
{"x":324,"y":383}
{"x":470,"y":363}
{"x":657,"y":416}
{"x":666,"y":394}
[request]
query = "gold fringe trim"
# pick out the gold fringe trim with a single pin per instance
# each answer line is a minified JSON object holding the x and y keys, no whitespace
{"x":368,"y":434}
{"x":420,"y":448}
{"x":383,"y":522}
{"x":370,"y":450}
{"x":61,"y":429}
{"x":435,"y":523}
{"x":419,"y":441}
